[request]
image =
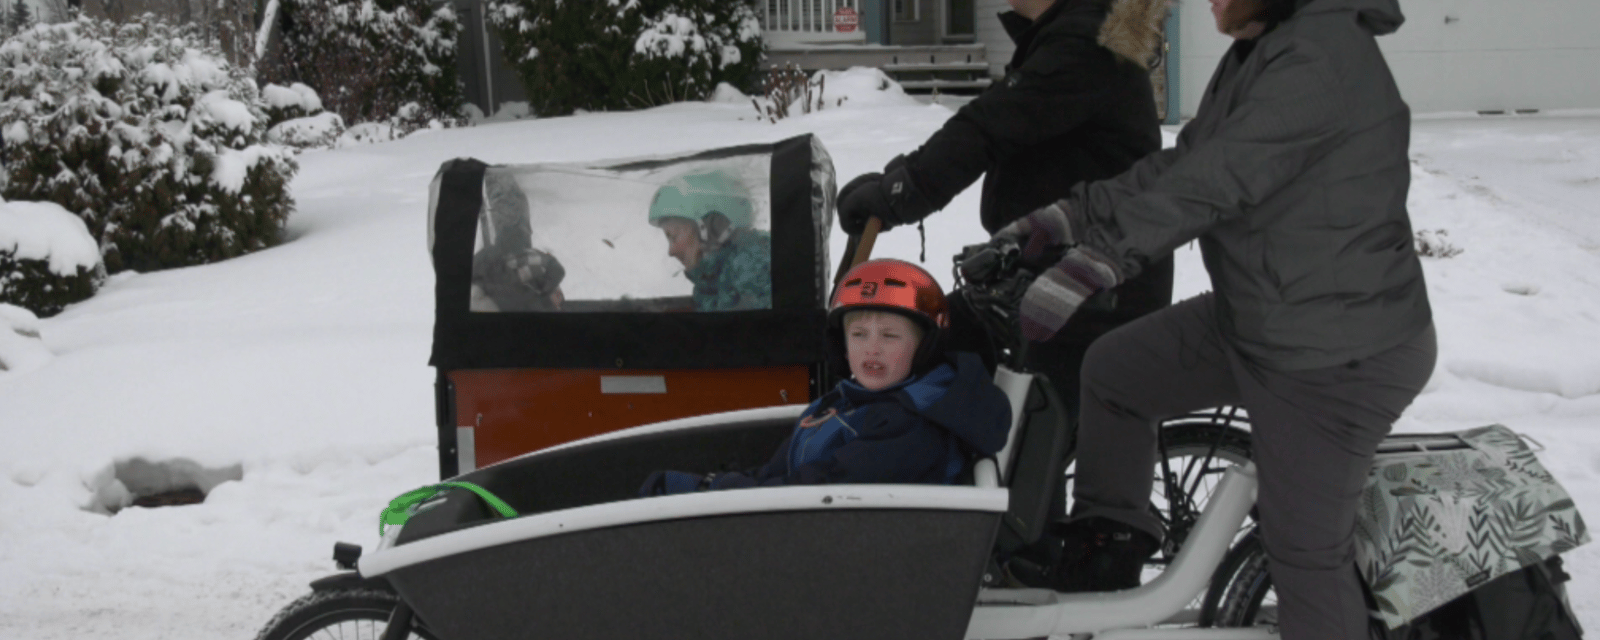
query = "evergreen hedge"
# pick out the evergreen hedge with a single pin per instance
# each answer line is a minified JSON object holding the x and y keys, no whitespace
{"x":370,"y":60}
{"x":31,"y":284}
{"x":627,"y":54}
{"x":148,"y":135}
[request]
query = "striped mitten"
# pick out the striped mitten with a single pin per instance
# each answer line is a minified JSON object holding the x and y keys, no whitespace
{"x":1058,"y":292}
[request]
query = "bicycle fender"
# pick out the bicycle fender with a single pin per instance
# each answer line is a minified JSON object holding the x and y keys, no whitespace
{"x":351,"y":580}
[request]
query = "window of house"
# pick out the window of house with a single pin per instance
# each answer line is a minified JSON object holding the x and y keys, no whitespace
{"x":906,"y":10}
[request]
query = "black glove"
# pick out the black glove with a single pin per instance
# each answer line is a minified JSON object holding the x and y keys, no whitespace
{"x":862,"y":199}
{"x":891,"y":197}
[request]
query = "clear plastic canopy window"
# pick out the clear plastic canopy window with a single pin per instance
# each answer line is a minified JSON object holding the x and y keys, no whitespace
{"x":685,"y":236}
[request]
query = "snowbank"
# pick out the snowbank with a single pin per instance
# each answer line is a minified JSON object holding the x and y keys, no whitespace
{"x":20,"y":347}
{"x":862,"y":87}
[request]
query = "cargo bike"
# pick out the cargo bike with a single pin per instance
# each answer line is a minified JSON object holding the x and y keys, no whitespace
{"x":553,"y":407}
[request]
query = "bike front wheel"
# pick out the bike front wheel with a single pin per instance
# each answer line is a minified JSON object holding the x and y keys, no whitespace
{"x":339,"y":614}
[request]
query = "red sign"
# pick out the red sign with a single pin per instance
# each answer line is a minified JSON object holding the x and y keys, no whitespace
{"x":844,"y":20}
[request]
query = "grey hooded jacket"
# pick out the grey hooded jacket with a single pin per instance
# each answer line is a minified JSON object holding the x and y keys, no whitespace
{"x":1293,"y":177}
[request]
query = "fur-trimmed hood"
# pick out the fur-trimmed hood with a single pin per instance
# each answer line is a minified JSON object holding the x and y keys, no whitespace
{"x":1133,"y":28}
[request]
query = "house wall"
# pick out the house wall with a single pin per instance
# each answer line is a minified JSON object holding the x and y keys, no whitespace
{"x":997,"y":45}
{"x":1454,"y":55}
{"x":923,"y":30}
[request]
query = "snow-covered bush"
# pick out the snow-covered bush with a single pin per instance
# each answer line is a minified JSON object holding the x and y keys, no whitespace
{"x":295,"y":117}
{"x":287,"y":103}
{"x":47,"y":259}
{"x":390,"y":61}
{"x":150,"y":137}
{"x":625,"y":54}
{"x":320,"y":131}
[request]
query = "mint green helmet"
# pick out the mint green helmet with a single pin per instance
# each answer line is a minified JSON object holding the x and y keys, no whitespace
{"x":696,"y":195}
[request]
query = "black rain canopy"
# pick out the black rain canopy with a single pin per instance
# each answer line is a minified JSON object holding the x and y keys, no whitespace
{"x":713,"y":259}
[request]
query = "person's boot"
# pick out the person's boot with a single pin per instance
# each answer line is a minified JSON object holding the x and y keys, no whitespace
{"x":1034,"y":565}
{"x":1099,"y":554}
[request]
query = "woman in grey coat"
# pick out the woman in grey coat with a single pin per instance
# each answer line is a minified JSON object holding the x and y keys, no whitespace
{"x":1293,"y":178}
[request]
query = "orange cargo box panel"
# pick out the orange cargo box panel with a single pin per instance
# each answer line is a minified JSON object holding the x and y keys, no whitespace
{"x":504,"y":413}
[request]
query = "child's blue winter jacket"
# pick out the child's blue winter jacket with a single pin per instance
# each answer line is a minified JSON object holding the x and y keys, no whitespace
{"x":925,"y":430}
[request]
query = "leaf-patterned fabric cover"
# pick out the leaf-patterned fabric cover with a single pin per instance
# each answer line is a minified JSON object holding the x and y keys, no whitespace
{"x":1434,"y":525}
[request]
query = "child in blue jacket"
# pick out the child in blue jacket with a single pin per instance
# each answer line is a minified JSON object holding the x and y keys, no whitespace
{"x":908,"y":414}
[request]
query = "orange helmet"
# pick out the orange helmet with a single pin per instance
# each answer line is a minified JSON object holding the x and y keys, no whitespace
{"x":897,"y":286}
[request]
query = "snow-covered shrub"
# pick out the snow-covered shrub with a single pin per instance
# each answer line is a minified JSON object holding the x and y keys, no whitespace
{"x":320,"y":131}
{"x":624,"y":54}
{"x":390,"y":61}
{"x":295,"y":117}
{"x":150,"y":137}
{"x":287,"y":103}
{"x":47,"y":259}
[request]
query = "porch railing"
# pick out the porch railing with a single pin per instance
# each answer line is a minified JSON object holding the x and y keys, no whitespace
{"x":812,"y":16}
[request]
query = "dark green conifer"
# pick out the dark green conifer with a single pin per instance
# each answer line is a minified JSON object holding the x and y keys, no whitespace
{"x":627,"y":54}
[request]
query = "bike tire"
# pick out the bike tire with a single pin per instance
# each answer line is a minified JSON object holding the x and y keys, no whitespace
{"x":1248,"y":599}
{"x":343,"y":614}
{"x":1197,"y":449}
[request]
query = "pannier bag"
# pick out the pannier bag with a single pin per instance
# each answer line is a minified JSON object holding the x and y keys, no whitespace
{"x":1445,"y":514}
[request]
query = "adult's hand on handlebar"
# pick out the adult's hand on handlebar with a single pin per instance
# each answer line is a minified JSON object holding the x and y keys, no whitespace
{"x":1040,"y":231}
{"x":1059,"y":291}
{"x":892,"y":197}
{"x":859,"y":200}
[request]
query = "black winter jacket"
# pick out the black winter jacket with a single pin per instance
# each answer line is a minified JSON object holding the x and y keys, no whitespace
{"x":1069,"y":110}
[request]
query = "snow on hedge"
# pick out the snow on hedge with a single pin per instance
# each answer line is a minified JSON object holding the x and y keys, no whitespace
{"x":149,"y":136}
{"x":595,"y":56}
{"x":47,"y":258}
{"x":371,"y":60}
{"x":45,"y":231}
{"x":296,"y":95}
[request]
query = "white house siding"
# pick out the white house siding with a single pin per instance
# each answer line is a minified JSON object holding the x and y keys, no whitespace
{"x":1454,"y":55}
{"x":997,"y":45}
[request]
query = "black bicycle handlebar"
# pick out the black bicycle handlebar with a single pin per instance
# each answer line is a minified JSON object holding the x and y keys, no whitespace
{"x":993,"y":276}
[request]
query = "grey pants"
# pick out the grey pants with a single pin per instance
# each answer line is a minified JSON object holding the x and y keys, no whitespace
{"x":1314,"y":433}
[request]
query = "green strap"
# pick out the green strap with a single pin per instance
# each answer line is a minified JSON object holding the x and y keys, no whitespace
{"x":401,"y":508}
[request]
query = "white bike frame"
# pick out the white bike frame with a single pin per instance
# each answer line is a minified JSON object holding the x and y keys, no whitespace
{"x":1003,"y":614}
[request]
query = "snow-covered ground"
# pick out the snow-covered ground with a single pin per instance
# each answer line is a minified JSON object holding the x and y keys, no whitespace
{"x":295,"y":380}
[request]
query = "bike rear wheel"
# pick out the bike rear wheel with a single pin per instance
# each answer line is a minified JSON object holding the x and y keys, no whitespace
{"x":1195,"y":451}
